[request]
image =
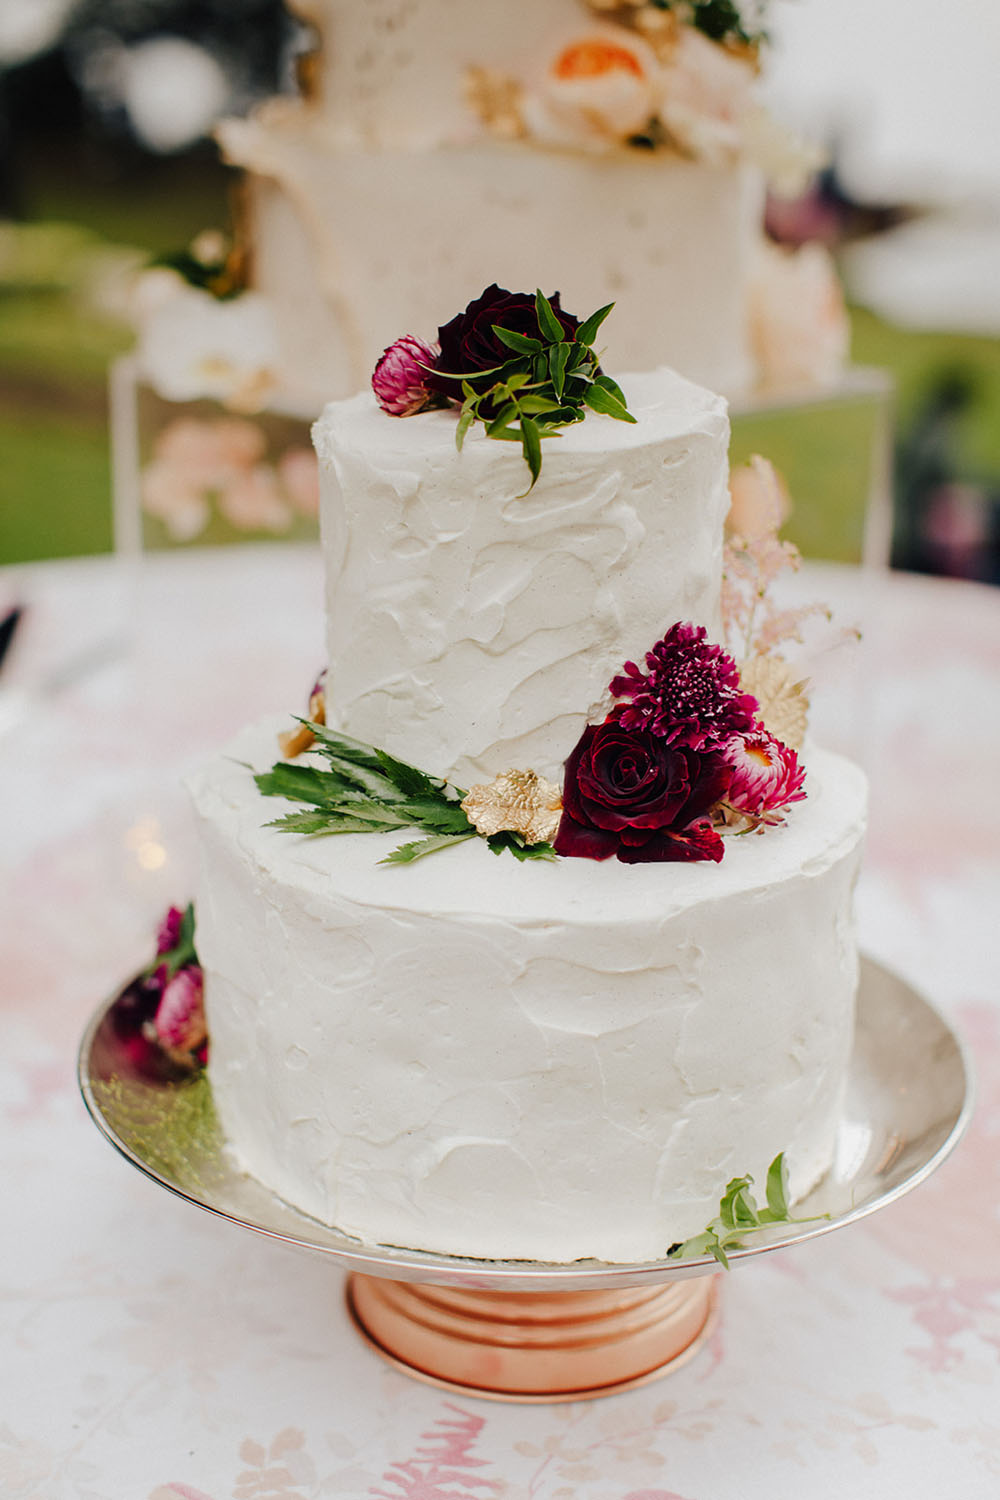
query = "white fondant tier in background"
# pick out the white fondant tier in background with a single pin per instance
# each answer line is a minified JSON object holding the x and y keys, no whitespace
{"x":534,"y":1061}
{"x":356,"y":246}
{"x":473,"y":627}
{"x":391,"y":71}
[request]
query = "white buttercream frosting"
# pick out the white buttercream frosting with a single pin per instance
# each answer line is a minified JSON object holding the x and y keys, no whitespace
{"x":473,"y":626}
{"x":524,"y":1061}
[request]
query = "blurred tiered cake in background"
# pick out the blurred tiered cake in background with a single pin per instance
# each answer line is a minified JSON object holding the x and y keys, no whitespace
{"x":615,"y":150}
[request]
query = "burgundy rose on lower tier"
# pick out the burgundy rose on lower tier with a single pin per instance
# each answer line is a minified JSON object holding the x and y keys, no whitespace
{"x":469,"y":345}
{"x":765,"y":775}
{"x":630,"y":794}
{"x":402,"y":376}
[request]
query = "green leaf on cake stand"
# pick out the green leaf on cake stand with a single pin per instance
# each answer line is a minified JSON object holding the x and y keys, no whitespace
{"x":366,"y":790}
{"x":739,"y":1216}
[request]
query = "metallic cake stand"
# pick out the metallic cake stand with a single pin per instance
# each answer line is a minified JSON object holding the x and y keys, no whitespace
{"x":527,"y":1330}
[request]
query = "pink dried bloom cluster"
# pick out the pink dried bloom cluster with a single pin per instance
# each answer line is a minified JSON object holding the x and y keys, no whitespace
{"x":400,"y":381}
{"x":690,"y":695}
{"x":765,"y":776}
{"x":754,"y":557}
{"x":180,"y":1015}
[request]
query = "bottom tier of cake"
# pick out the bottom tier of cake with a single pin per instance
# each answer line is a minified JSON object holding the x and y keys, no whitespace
{"x":524,"y":1061}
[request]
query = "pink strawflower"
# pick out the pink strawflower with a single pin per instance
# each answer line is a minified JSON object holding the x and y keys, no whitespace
{"x":170,"y":931}
{"x":180,"y":1015}
{"x":766,"y":775}
{"x":691,"y":697}
{"x":401,"y":376}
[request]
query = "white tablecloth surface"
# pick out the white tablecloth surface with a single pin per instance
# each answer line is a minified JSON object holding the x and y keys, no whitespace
{"x":152,"y":1352}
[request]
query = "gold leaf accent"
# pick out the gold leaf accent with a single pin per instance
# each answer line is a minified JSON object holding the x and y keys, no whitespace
{"x":783,"y":699}
{"x":496,"y":98}
{"x":516,"y":802}
{"x":293,"y":742}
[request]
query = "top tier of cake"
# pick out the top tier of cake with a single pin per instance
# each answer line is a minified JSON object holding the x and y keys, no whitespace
{"x":474,"y":627}
{"x":390,"y":69}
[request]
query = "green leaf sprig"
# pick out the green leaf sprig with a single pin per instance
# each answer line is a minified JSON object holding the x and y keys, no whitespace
{"x":548,"y":383}
{"x":720,"y":20}
{"x":739,"y":1216}
{"x":365,"y":790}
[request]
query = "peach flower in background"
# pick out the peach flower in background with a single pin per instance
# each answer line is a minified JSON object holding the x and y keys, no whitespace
{"x":759,"y":502}
{"x":799,"y":330}
{"x":602,"y":88}
{"x":198,"y":463}
{"x":706,"y":95}
{"x":299,"y":474}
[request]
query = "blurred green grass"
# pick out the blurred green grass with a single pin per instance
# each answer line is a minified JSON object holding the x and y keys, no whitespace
{"x":55,"y":348}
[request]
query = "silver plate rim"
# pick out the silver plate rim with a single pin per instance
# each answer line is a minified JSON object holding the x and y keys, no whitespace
{"x":295,"y":1229}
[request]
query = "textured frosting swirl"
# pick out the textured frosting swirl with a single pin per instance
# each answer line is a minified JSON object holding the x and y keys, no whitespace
{"x":473,"y":627}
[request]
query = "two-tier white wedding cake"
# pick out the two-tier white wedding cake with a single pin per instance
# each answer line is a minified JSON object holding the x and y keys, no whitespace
{"x":548,"y":1059}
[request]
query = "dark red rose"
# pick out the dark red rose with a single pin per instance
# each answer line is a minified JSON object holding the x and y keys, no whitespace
{"x":469,"y":345}
{"x":630,"y":794}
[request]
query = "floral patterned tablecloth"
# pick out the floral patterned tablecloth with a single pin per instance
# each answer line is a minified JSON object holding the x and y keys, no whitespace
{"x":151,"y":1352}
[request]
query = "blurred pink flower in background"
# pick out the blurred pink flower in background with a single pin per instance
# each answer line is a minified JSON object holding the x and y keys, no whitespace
{"x":198,"y":462}
{"x":799,"y":329}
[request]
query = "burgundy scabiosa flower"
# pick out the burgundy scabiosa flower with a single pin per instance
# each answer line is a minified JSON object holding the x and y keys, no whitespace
{"x":469,"y":345}
{"x":180,"y":1015}
{"x":401,"y":377}
{"x":765,"y":775}
{"x":691,"y":695}
{"x":631,"y":794}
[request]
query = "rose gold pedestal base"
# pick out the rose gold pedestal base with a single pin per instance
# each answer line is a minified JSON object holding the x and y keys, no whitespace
{"x":533,"y":1346}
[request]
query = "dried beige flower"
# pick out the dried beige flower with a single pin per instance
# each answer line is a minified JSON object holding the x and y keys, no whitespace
{"x":516,"y":802}
{"x":783,"y":699}
{"x":295,"y":741}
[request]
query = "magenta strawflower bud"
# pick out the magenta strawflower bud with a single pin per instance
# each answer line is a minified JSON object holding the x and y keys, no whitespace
{"x":170,"y":931}
{"x":766,"y":775}
{"x":180,"y":1015}
{"x":400,"y":381}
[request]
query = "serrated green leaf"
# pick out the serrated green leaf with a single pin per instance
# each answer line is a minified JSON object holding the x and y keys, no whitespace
{"x":587,"y":331}
{"x":319,"y":822}
{"x":548,"y":323}
{"x":408,"y":779}
{"x":298,"y":783}
{"x":601,"y":400}
{"x":512,"y":843}
{"x":519,"y":341}
{"x":407,"y":853}
{"x":435,"y":814}
{"x":344,"y":745}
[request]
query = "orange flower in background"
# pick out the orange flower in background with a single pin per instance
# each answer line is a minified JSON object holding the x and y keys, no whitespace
{"x":598,"y":91}
{"x":595,"y":56}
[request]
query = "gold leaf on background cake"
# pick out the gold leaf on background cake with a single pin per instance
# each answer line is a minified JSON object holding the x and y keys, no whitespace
{"x":783,"y":699}
{"x":516,"y":802}
{"x":496,"y":98}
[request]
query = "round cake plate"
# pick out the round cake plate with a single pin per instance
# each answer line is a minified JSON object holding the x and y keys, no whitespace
{"x":529,"y":1330}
